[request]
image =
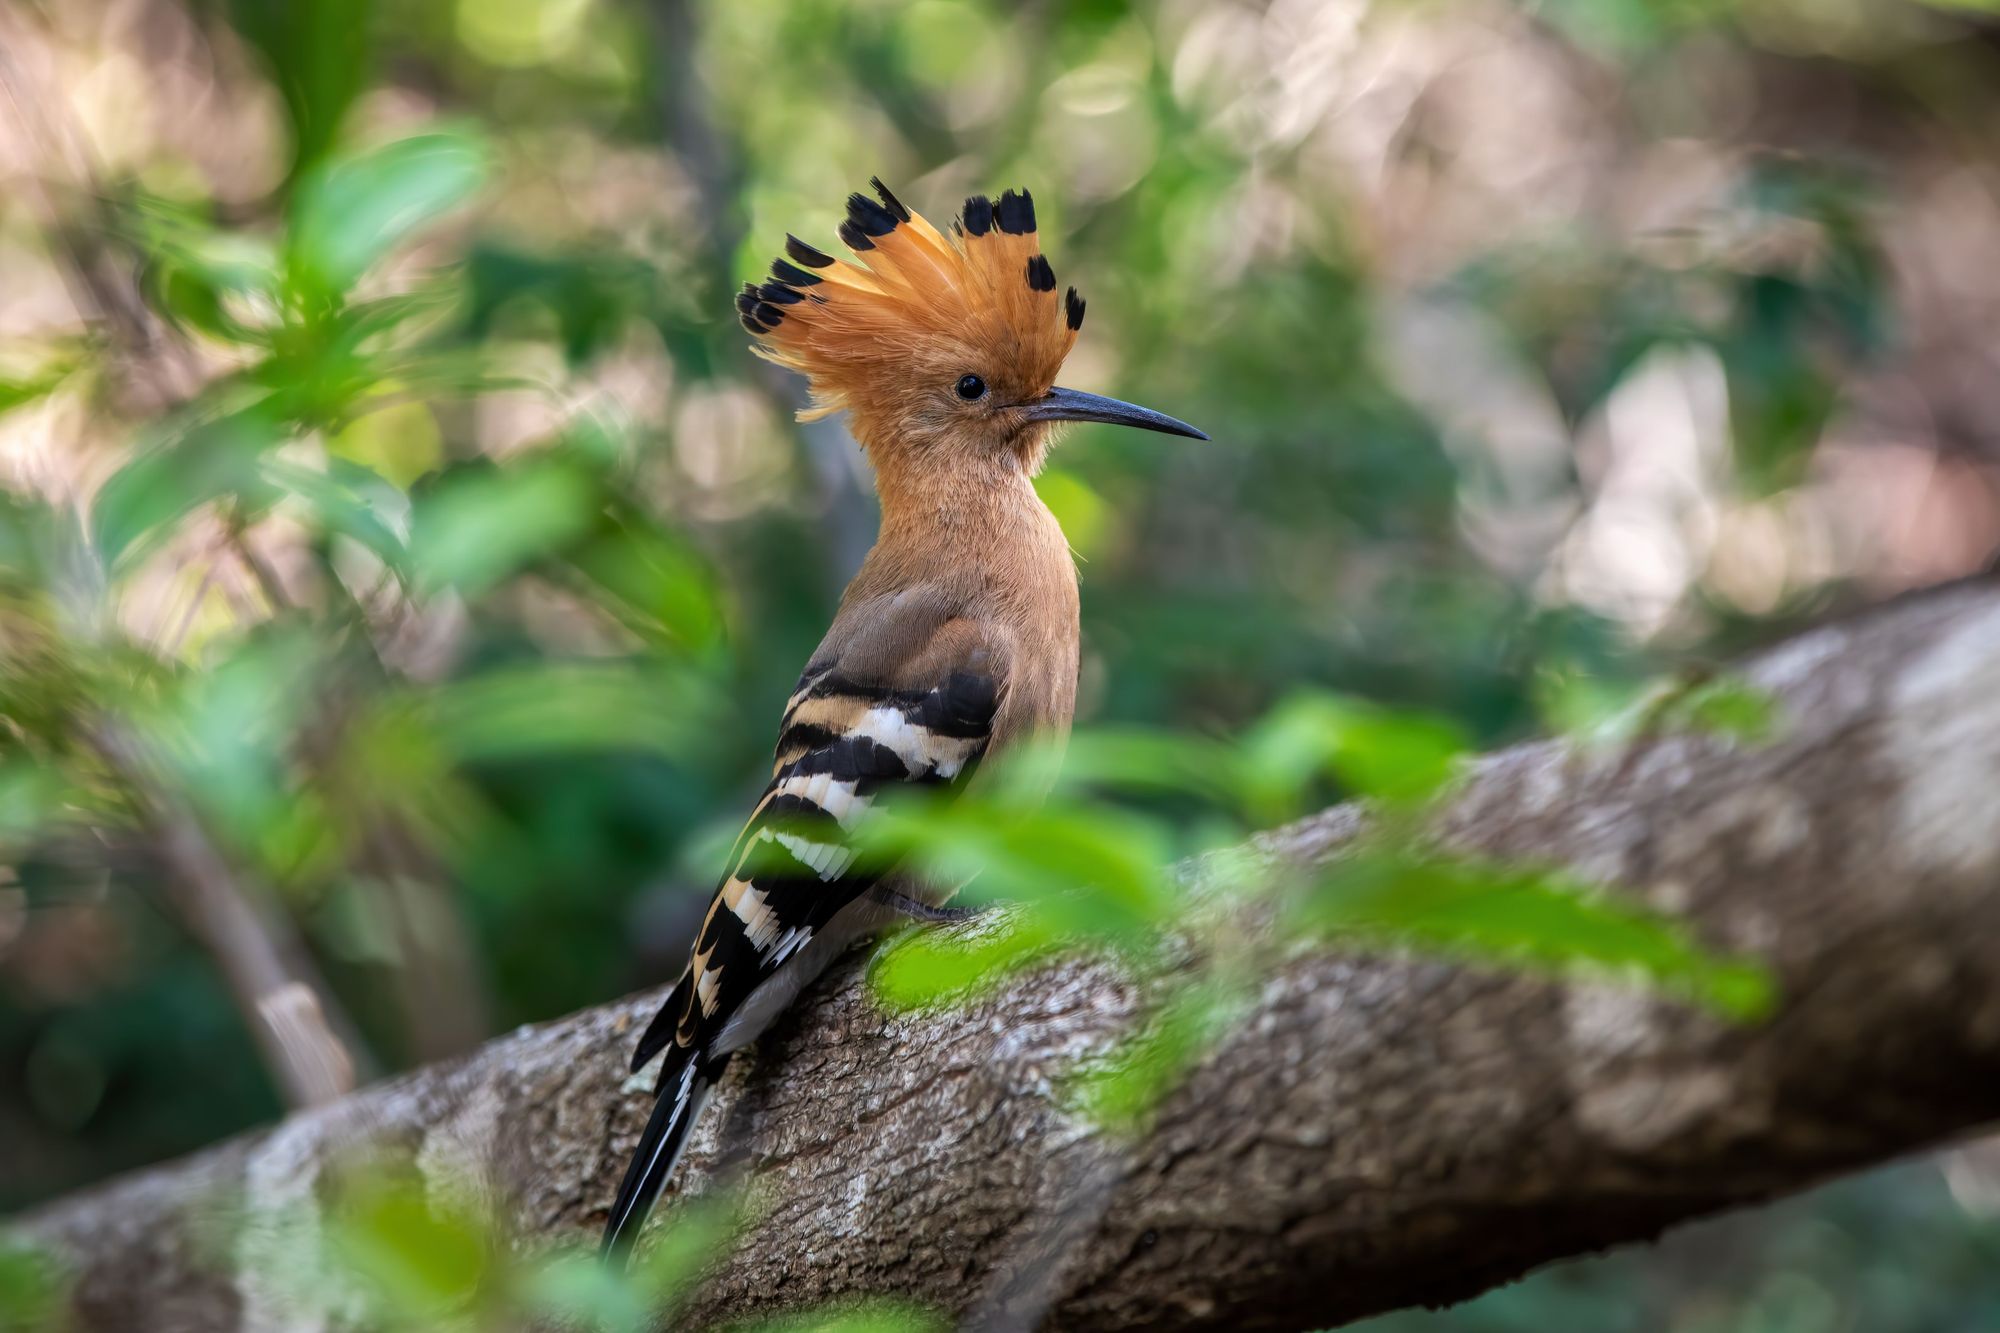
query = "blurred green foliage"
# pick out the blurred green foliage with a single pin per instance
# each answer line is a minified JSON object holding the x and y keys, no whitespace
{"x":31,"y":1291}
{"x":455,"y":588}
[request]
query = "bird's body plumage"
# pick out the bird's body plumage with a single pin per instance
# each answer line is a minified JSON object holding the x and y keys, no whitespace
{"x":957,"y":637}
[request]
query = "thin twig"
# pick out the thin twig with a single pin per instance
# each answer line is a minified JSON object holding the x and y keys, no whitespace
{"x":289,"y":1016}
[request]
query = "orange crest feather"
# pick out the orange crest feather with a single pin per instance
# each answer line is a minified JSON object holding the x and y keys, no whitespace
{"x":914,"y":295}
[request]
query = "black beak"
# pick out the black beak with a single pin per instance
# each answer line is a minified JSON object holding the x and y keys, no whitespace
{"x":1070,"y":405}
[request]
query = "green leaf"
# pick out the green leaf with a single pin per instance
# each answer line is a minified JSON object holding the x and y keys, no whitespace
{"x":1072,"y":875}
{"x":317,"y":52}
{"x":1121,"y":1092}
{"x":697,"y":1234}
{"x":591,"y":296}
{"x":347,"y":499}
{"x":353,"y":210}
{"x":558,"y":708}
{"x":1581,"y":705}
{"x":1045,"y":856}
{"x":31,"y":796}
{"x":393,"y":764}
{"x":1394,"y":757}
{"x":1522,"y":917}
{"x":581,"y":1291}
{"x":212,"y":459}
{"x":30,"y":1291}
{"x":30,"y":537}
{"x":581,"y":1288}
{"x":228,"y":733}
{"x":19,"y":391}
{"x":1611,"y":713}
{"x":875,"y":1316}
{"x":923,"y":967}
{"x":1122,"y":759}
{"x":414,"y":1260}
{"x":205,"y":279}
{"x":655,"y":582}
{"x":1728,"y":706}
{"x":1401,"y":758}
{"x":477,"y":525}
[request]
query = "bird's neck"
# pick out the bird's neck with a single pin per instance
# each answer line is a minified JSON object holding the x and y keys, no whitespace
{"x":969,"y":507}
{"x":979,"y":529}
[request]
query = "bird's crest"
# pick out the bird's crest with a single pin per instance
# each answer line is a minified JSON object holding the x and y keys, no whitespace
{"x":913,"y":294}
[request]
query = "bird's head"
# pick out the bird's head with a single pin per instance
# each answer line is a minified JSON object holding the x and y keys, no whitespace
{"x":940,"y":347}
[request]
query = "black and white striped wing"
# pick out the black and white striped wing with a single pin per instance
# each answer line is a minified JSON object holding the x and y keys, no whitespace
{"x":792,"y":869}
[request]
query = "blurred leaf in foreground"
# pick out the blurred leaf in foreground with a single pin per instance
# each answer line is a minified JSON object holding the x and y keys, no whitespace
{"x":227,"y":736}
{"x":1399,"y":758}
{"x":477,"y":525}
{"x":550,"y":708}
{"x":30,"y":1292}
{"x":1078,"y":875}
{"x":419,"y":1265}
{"x":577,"y":1287}
{"x":1121,"y":1092}
{"x":923,"y":966}
{"x":30,"y":797}
{"x":20,"y":390}
{"x":1700,"y":703}
{"x":1520,"y":916}
{"x":318,"y":53}
{"x":210,"y":460}
{"x":1120,"y":855}
{"x":352,"y":210}
{"x":220,"y":283}
{"x":868,"y":1317}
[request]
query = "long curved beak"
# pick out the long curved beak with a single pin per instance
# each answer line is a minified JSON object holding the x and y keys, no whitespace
{"x":1072,"y":405}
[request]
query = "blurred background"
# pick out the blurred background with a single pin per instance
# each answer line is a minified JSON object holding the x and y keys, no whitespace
{"x":402,"y":560}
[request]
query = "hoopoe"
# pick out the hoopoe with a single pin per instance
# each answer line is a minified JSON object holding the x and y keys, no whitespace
{"x":958,"y":636}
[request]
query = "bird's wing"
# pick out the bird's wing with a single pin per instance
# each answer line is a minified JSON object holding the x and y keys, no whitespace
{"x":901,"y":692}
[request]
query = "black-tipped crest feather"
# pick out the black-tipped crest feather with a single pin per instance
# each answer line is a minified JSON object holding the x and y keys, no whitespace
{"x":890,"y":201}
{"x":795,"y":276}
{"x":869,"y":216}
{"x":1015,"y":212}
{"x":805,"y":254}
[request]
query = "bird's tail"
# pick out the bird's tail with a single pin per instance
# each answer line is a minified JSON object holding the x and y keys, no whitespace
{"x":685,"y":1081}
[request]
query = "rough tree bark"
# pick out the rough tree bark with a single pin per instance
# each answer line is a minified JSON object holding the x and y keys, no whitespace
{"x":1383,"y":1131}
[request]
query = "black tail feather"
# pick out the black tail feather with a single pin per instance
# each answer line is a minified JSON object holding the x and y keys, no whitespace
{"x":685,"y":1079}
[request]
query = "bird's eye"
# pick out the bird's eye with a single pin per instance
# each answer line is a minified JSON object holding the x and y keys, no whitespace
{"x":971,"y":388}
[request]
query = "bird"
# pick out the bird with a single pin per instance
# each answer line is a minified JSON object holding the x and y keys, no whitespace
{"x":958,"y":637}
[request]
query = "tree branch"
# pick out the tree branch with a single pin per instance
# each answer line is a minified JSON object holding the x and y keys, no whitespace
{"x":1383,"y":1131}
